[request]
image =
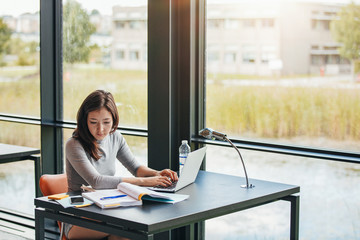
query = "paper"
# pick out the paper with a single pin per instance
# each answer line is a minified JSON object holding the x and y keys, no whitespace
{"x":134,"y":196}
{"x":147,"y":194}
{"x":112,"y":202}
{"x":66,"y":202}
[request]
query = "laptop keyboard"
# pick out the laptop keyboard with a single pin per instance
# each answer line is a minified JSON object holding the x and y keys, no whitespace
{"x":170,"y":187}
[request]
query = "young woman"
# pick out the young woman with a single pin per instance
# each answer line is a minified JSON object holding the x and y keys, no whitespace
{"x":92,"y":151}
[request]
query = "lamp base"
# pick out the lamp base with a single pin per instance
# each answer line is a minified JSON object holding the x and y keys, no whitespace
{"x":245,"y":186}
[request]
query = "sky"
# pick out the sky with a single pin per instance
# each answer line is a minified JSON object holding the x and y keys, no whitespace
{"x":104,"y":6}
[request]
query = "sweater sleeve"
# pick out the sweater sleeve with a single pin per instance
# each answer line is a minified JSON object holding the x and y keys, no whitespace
{"x":125,"y":156}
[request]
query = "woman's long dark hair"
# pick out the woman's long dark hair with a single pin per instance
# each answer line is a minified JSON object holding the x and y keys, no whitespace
{"x":93,"y":102}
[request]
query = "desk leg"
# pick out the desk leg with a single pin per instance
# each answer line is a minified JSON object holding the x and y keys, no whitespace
{"x":194,"y":231}
{"x":37,"y":168}
{"x":39,"y":225}
{"x":294,"y":215}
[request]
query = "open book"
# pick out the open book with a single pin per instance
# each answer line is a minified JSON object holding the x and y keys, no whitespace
{"x":128,"y":194}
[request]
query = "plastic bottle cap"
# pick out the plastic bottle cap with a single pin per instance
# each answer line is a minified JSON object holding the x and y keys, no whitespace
{"x":184,"y":141}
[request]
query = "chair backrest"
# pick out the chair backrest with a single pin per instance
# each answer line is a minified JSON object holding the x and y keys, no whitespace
{"x":53,"y":184}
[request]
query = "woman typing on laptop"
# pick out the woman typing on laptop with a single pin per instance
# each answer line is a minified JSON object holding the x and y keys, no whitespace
{"x":92,"y":151}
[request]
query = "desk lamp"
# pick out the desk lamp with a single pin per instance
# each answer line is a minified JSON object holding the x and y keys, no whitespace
{"x":211,"y":134}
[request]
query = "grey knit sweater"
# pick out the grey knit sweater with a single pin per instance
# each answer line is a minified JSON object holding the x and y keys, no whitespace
{"x":82,"y":169}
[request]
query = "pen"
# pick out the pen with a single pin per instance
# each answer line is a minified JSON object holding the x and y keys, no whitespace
{"x":83,"y":205}
{"x":111,"y":197}
{"x":87,"y":188}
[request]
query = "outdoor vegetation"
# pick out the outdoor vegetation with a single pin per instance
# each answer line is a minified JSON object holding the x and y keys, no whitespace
{"x":262,"y":112}
{"x":271,"y":112}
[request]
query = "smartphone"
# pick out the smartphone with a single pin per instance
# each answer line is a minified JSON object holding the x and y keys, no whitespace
{"x":77,"y":199}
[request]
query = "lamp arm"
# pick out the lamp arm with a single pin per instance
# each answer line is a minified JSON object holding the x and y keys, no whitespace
{"x":242,"y":161}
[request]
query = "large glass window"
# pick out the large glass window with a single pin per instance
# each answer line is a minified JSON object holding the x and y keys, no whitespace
{"x":19,"y":58}
{"x":289,"y":88}
{"x":328,"y":209}
{"x":19,"y":95}
{"x":17,"y":179}
{"x":104,"y":47}
{"x":283,"y":90}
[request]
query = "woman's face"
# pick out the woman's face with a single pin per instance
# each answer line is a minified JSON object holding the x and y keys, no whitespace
{"x":100,"y":123}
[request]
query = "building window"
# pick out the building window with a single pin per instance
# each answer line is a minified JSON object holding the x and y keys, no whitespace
{"x":230,"y":57}
{"x":332,"y":59}
{"x":249,"y":54}
{"x":249,"y":23}
{"x":268,"y":53}
{"x":134,"y":55}
{"x":315,"y":24}
{"x":268,"y":22}
{"x":213,"y":57}
{"x":135,"y":24}
{"x":314,"y":47}
{"x":214,"y":23}
{"x":326,"y":25}
{"x":120,"y":25}
{"x":120,"y":54}
{"x":231,"y":24}
{"x":317,"y":60}
{"x":248,"y":57}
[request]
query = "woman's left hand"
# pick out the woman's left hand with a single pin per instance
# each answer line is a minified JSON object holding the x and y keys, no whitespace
{"x":169,"y":173}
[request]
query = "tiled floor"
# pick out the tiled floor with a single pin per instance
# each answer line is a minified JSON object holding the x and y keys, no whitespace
{"x":15,"y":227}
{"x":11,"y":234}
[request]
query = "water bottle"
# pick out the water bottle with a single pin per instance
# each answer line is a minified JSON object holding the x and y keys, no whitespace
{"x":184,"y":150}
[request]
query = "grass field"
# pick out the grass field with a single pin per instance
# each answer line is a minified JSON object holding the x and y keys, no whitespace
{"x":251,"y":111}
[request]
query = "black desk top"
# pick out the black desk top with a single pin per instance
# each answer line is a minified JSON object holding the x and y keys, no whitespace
{"x":13,"y":151}
{"x":211,"y":195}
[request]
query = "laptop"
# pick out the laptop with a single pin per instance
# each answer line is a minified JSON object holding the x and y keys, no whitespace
{"x":188,"y":174}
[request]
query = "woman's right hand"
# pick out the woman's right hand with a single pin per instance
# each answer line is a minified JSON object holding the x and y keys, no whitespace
{"x":149,"y":181}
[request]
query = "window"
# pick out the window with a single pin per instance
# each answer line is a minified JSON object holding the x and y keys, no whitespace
{"x":214,"y":23}
{"x":283,"y":91}
{"x":120,"y":54}
{"x":123,"y":74}
{"x":17,"y":178}
{"x":120,"y":25}
{"x":249,"y":23}
{"x":314,"y":47}
{"x":19,"y":97}
{"x":20,"y":59}
{"x":249,"y":54}
{"x":213,"y":57}
{"x":326,"y":25}
{"x":267,"y":23}
{"x":135,"y":24}
{"x":231,"y":23}
{"x":268,"y":53}
{"x":213,"y":53}
{"x":258,"y":105}
{"x":317,"y":60}
{"x":134,"y":55}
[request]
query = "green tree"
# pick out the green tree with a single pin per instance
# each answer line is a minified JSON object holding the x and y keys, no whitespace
{"x":346,"y":30}
{"x":5,"y":35}
{"x":77,"y":30}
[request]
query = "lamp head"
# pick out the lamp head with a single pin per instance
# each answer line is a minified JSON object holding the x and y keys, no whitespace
{"x":211,"y":134}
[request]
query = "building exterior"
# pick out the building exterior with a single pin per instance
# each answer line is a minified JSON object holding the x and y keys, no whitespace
{"x":247,"y":37}
{"x":129,"y":31}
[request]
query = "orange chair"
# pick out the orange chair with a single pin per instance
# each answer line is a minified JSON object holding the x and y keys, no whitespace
{"x":53,"y":184}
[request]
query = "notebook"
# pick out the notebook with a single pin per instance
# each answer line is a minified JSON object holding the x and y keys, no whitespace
{"x":188,"y":174}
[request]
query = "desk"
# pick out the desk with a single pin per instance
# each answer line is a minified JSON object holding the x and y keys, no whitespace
{"x":212,"y":195}
{"x":13,"y":153}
